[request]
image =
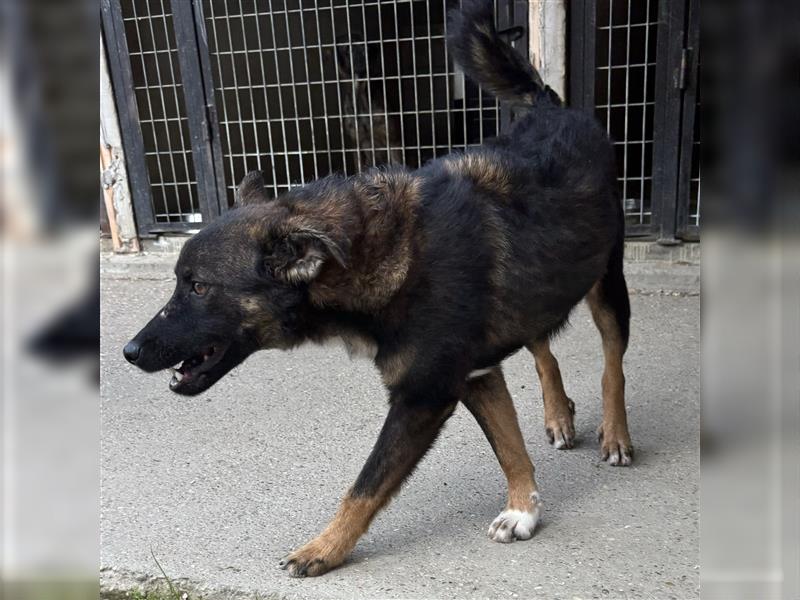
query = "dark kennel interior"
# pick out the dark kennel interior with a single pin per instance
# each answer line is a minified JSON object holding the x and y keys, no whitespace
{"x":305,"y":91}
{"x":300,"y":90}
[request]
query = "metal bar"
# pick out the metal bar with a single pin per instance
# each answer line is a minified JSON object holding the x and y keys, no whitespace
{"x":367,"y":61}
{"x":430,"y":76}
{"x":252,"y":97}
{"x":688,"y":222}
{"x":625,"y":66}
{"x":322,"y":45}
{"x":280,"y":97}
{"x":639,"y":230}
{"x":504,"y":19}
{"x":644,"y":109}
{"x":266,"y":108}
{"x":627,"y":95}
{"x":310,"y":104}
{"x":385,"y":93}
{"x":480,"y":93}
{"x":163,"y":113}
{"x":666,"y":122}
{"x":416,"y":89}
{"x":236,"y":84}
{"x":583,"y":31}
{"x":353,"y":83}
{"x":574,"y":95}
{"x":194,"y":97}
{"x":225,"y":120}
{"x":152,"y":119}
{"x":174,"y":227}
{"x":448,"y":75}
{"x":217,"y":162}
{"x":294,"y":100}
{"x":464,"y":99}
{"x":608,"y":83}
{"x":122,"y":81}
{"x":321,"y":81}
{"x":590,"y":54}
{"x":338,"y":89}
{"x":174,"y":94}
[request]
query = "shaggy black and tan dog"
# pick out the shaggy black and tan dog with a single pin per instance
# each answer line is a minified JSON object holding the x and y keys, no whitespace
{"x":439,"y":274}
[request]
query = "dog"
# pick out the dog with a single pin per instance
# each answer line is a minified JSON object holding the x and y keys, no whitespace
{"x":436,"y":274}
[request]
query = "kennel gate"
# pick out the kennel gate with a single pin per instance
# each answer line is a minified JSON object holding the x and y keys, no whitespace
{"x":634,"y":65}
{"x":208,"y":90}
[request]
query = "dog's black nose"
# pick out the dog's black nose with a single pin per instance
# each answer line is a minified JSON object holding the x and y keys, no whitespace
{"x":131,"y":351}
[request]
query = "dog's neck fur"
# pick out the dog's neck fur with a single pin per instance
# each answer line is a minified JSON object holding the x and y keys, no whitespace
{"x":384,"y":203}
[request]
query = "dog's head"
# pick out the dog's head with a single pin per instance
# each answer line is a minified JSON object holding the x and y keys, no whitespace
{"x":242,"y":285}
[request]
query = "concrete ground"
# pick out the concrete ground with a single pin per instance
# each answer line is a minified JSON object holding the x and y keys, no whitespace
{"x":221,"y":486}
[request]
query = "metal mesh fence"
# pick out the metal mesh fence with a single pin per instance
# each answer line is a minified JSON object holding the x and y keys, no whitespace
{"x":159,"y":97}
{"x":694,"y":180}
{"x":304,"y":89}
{"x":625,"y":95}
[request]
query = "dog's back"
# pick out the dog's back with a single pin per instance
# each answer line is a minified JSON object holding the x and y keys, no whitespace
{"x":528,"y":220}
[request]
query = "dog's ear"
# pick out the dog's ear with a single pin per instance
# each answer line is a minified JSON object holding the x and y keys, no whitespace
{"x":250,"y":190}
{"x":299,"y":256}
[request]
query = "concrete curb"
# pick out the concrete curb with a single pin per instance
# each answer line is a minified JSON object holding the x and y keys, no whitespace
{"x":649,"y":268}
{"x":144,"y":265}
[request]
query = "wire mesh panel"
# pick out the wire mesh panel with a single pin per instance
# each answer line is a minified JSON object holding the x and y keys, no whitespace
{"x":159,"y":98}
{"x":304,"y":89}
{"x":626,"y":42}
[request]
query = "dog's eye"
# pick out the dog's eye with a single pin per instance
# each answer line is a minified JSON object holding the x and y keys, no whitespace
{"x":199,"y":288}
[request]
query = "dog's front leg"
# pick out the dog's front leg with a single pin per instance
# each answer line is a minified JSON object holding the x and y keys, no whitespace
{"x":407,"y":433}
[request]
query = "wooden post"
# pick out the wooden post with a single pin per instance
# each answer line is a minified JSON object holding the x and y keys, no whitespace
{"x":548,"y":42}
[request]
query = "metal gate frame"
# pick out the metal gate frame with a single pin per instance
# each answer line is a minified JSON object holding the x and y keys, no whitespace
{"x":195,"y":76}
{"x":676,"y":87}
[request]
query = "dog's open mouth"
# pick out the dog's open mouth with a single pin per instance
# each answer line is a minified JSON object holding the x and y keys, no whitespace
{"x":195,"y":367}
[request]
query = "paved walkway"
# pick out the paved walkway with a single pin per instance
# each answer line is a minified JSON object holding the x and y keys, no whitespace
{"x":223,"y":485}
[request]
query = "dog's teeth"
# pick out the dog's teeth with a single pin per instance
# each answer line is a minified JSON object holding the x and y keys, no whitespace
{"x":177,"y":377}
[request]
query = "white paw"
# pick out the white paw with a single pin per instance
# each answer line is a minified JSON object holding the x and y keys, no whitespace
{"x":513,"y":525}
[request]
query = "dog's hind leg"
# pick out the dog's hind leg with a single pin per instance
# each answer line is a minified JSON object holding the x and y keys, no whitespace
{"x":487,"y":398}
{"x":610,"y":306}
{"x":407,"y":433}
{"x":559,"y":410}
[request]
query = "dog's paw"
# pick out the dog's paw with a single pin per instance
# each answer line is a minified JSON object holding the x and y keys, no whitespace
{"x":310,"y":560}
{"x":560,"y":427}
{"x":512,"y":524}
{"x":615,"y":445}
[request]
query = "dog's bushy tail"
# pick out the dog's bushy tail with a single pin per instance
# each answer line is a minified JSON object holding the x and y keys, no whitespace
{"x":489,"y":60}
